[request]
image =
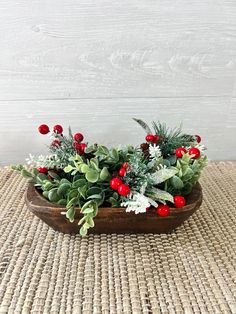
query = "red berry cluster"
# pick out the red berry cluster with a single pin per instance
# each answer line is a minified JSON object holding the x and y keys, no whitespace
{"x":192,"y":151}
{"x":78,"y":146}
{"x":57,"y":129}
{"x":117,"y":184}
{"x":152,"y":138}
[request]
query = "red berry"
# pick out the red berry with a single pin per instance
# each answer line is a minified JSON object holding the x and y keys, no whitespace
{"x":150,"y":138}
{"x":198,"y":138}
{"x":79,"y":147}
{"x":83,"y":147}
{"x":124,"y":189}
{"x":78,"y":137}
{"x":76,"y":146}
{"x":58,"y":129}
{"x":43,"y":129}
{"x":56,"y":143}
{"x":194,"y":151}
{"x":147,"y":209}
{"x":115,"y":183}
{"x":156,"y":138}
{"x":42,"y":170}
{"x":179,"y":201}
{"x":179,"y":152}
{"x":163,"y":210}
{"x":122,"y":172}
{"x":125,"y":165}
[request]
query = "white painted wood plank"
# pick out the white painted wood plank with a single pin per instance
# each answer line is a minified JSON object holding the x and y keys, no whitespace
{"x":110,"y":122}
{"x":127,"y":48}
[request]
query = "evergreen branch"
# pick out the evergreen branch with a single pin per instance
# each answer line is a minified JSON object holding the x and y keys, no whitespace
{"x":143,"y":125}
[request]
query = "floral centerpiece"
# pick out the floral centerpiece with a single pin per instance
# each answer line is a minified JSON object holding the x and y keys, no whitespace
{"x":151,"y":177}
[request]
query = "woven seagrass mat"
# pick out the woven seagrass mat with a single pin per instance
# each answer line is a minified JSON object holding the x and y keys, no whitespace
{"x":189,"y":271}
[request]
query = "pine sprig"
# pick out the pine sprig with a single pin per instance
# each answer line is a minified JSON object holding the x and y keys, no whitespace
{"x":171,"y":138}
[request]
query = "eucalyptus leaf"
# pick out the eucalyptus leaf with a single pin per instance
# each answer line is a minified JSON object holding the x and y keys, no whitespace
{"x":62,"y":202}
{"x":82,"y":191}
{"x":63,"y":188}
{"x":104,"y":174}
{"x":53,"y":195}
{"x":92,"y":176}
{"x":53,"y":175}
{"x":84,"y":168}
{"x":88,"y":210}
{"x":68,"y":169}
{"x":177,"y":183}
{"x":72,"y":202}
{"x":70,"y":214}
{"x":83,"y":231}
{"x":94,"y":190}
{"x":79,"y":183}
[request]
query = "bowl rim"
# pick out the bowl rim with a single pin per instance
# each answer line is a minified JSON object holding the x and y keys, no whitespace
{"x":35,"y":200}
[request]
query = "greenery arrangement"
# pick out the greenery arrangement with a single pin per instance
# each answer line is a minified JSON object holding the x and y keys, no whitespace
{"x":154,"y":176}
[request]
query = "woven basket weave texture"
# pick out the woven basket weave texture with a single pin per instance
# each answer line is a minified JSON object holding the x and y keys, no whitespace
{"x":192,"y":270}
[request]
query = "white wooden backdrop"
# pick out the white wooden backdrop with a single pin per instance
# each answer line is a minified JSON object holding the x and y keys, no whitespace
{"x":96,"y":64}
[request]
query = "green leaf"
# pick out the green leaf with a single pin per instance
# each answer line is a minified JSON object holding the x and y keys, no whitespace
{"x":87,"y":205}
{"x":177,"y":183}
{"x":104,"y":174}
{"x":114,"y":154}
{"x":82,"y":220}
{"x":79,"y":183}
{"x":94,"y":163}
{"x":172,"y":159}
{"x":72,"y":193}
{"x":90,"y":149}
{"x":90,"y":222}
{"x":162,"y":175}
{"x":72,"y":202}
{"x":95,"y":196}
{"x":88,"y":210}
{"x":48,"y":185}
{"x":41,"y":177}
{"x":45,"y":194}
{"x":63,"y":188}
{"x":92,"y":176}
{"x":83,"y":231}
{"x":158,"y":194}
{"x":68,"y":169}
{"x":84,"y":168}
{"x":82,"y":191}
{"x":64,"y":181}
{"x":53,"y":195}
{"x":102,"y":151}
{"x":62,"y":202}
{"x":54,"y":175}
{"x":94,"y":190}
{"x":70,"y":214}
{"x":143,"y":125}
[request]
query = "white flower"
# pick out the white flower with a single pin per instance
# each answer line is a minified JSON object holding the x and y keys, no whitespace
{"x":138,"y":203}
{"x":154,"y":151}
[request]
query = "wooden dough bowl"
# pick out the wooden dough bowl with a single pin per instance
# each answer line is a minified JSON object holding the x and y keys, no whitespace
{"x":113,"y":220}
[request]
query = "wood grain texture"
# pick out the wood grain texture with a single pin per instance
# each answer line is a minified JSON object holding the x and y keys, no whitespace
{"x":126,"y":48}
{"x":114,"y":220}
{"x":96,"y":64}
{"x":110,"y":122}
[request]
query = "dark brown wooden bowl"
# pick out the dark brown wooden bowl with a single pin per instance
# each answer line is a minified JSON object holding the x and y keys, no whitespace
{"x":113,"y":220}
